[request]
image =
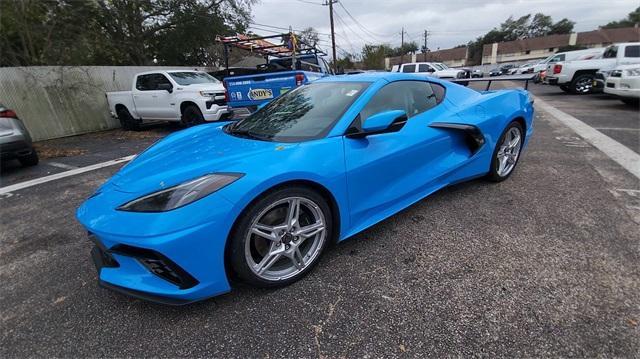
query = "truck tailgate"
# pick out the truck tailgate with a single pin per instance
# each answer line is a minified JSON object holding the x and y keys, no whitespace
{"x":253,"y":90}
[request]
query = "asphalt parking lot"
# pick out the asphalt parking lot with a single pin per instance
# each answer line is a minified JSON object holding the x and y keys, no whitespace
{"x":543,"y":264}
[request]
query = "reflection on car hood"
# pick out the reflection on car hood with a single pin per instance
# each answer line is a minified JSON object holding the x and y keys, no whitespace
{"x":186,"y":155}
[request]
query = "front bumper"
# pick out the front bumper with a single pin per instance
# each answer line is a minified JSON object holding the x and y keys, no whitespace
{"x":174,"y":257}
{"x":15,"y":149}
{"x":626,"y":87}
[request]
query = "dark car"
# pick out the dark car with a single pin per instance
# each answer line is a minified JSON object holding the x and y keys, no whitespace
{"x":505,"y":69}
{"x":495,"y":72}
{"x":15,"y":140}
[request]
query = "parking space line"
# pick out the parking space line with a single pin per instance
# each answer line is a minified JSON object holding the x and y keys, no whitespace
{"x":53,"y":177}
{"x":622,"y":155}
{"x":617,"y":129}
{"x":61,"y":165}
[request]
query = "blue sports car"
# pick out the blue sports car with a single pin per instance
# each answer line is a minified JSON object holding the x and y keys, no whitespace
{"x":259,"y":199}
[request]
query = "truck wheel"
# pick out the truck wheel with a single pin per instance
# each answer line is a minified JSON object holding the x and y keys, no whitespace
{"x":582,"y":84}
{"x":192,"y":116}
{"x":565,"y":88}
{"x":127,"y":122}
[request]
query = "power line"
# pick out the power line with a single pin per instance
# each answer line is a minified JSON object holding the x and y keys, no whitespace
{"x":364,"y":29}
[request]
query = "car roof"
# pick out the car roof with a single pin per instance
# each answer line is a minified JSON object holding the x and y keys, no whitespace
{"x":378,"y":76}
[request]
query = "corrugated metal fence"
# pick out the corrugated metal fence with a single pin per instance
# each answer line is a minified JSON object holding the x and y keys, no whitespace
{"x":58,"y":101}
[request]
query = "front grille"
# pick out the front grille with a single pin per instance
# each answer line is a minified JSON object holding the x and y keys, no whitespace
{"x":611,"y":85}
{"x":158,"y":264}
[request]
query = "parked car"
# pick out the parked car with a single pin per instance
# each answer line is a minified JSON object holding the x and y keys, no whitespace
{"x":434,"y":69}
{"x":190,"y":97}
{"x":578,"y":76}
{"x":246,"y":93}
{"x":624,"y":83}
{"x":495,"y":72}
{"x":506,"y":68}
{"x":262,"y":197}
{"x":525,"y":68}
{"x":15,"y":140}
{"x":477,"y":73}
{"x":547,"y":63}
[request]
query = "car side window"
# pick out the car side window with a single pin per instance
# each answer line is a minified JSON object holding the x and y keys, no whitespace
{"x":424,"y":68}
{"x":438,"y":91}
{"x":409,"y":68}
{"x":159,"y":79}
{"x":413,"y":97}
{"x":143,"y":82}
{"x":610,"y":52}
{"x":632,"y":51}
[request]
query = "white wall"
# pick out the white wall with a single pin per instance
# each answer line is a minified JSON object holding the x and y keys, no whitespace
{"x":58,"y":101}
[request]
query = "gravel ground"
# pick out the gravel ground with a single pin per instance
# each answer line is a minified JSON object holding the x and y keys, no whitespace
{"x":543,"y":264}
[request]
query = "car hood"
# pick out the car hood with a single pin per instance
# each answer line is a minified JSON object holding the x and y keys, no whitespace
{"x":204,"y":87}
{"x":187,"y":155}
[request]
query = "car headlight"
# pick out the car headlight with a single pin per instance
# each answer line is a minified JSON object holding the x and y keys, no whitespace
{"x":207,"y":93}
{"x":180,"y":195}
{"x":632,"y":72}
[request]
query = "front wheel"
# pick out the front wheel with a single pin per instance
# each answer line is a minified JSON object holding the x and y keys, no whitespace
{"x":192,"y":116}
{"x":30,"y":159}
{"x":582,"y":84}
{"x":507,"y":152}
{"x":281,"y":237}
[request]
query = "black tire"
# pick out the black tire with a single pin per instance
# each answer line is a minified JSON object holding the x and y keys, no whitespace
{"x":493,"y":174}
{"x":240,"y":234}
{"x":30,"y":159}
{"x":191,"y":116}
{"x":127,"y":122}
{"x":582,"y":84}
{"x":565,"y":88}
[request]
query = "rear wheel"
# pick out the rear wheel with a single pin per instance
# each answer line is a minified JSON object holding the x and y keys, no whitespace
{"x":127,"y":122}
{"x":30,"y":159}
{"x":192,"y":116}
{"x":507,"y":152}
{"x":582,"y":84}
{"x":281,"y":237}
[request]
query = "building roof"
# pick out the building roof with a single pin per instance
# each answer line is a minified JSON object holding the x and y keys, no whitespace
{"x":607,"y":36}
{"x":534,"y":43}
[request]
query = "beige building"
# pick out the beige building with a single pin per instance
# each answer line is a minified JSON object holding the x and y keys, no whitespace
{"x":541,"y":47}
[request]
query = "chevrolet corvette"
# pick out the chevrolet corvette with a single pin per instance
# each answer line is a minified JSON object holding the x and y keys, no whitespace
{"x":259,"y":199}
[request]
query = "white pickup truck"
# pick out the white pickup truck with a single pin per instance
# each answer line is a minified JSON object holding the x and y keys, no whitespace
{"x":578,"y":76}
{"x":191,"y":97}
{"x":435,"y":69}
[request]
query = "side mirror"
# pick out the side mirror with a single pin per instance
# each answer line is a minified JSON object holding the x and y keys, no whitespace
{"x":166,"y":87}
{"x":383,"y":122}
{"x":431,"y":69}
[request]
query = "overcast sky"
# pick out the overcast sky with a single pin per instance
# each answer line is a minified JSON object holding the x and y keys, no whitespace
{"x":449,"y":22}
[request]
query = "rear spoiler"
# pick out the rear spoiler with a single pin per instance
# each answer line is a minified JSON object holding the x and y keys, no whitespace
{"x":526,"y":78}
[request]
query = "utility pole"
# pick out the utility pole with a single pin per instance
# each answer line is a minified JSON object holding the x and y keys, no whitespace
{"x":333,"y":35}
{"x":402,"y":46}
{"x":426,"y":36}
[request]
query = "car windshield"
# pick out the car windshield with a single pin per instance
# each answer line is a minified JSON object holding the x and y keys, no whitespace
{"x":443,"y":65}
{"x":190,"y":78}
{"x":438,"y":66}
{"x":306,"y":113}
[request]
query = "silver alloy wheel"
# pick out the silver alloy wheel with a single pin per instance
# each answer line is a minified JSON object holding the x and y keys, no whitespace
{"x":285,"y":238}
{"x":509,"y":151}
{"x":584,"y":85}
